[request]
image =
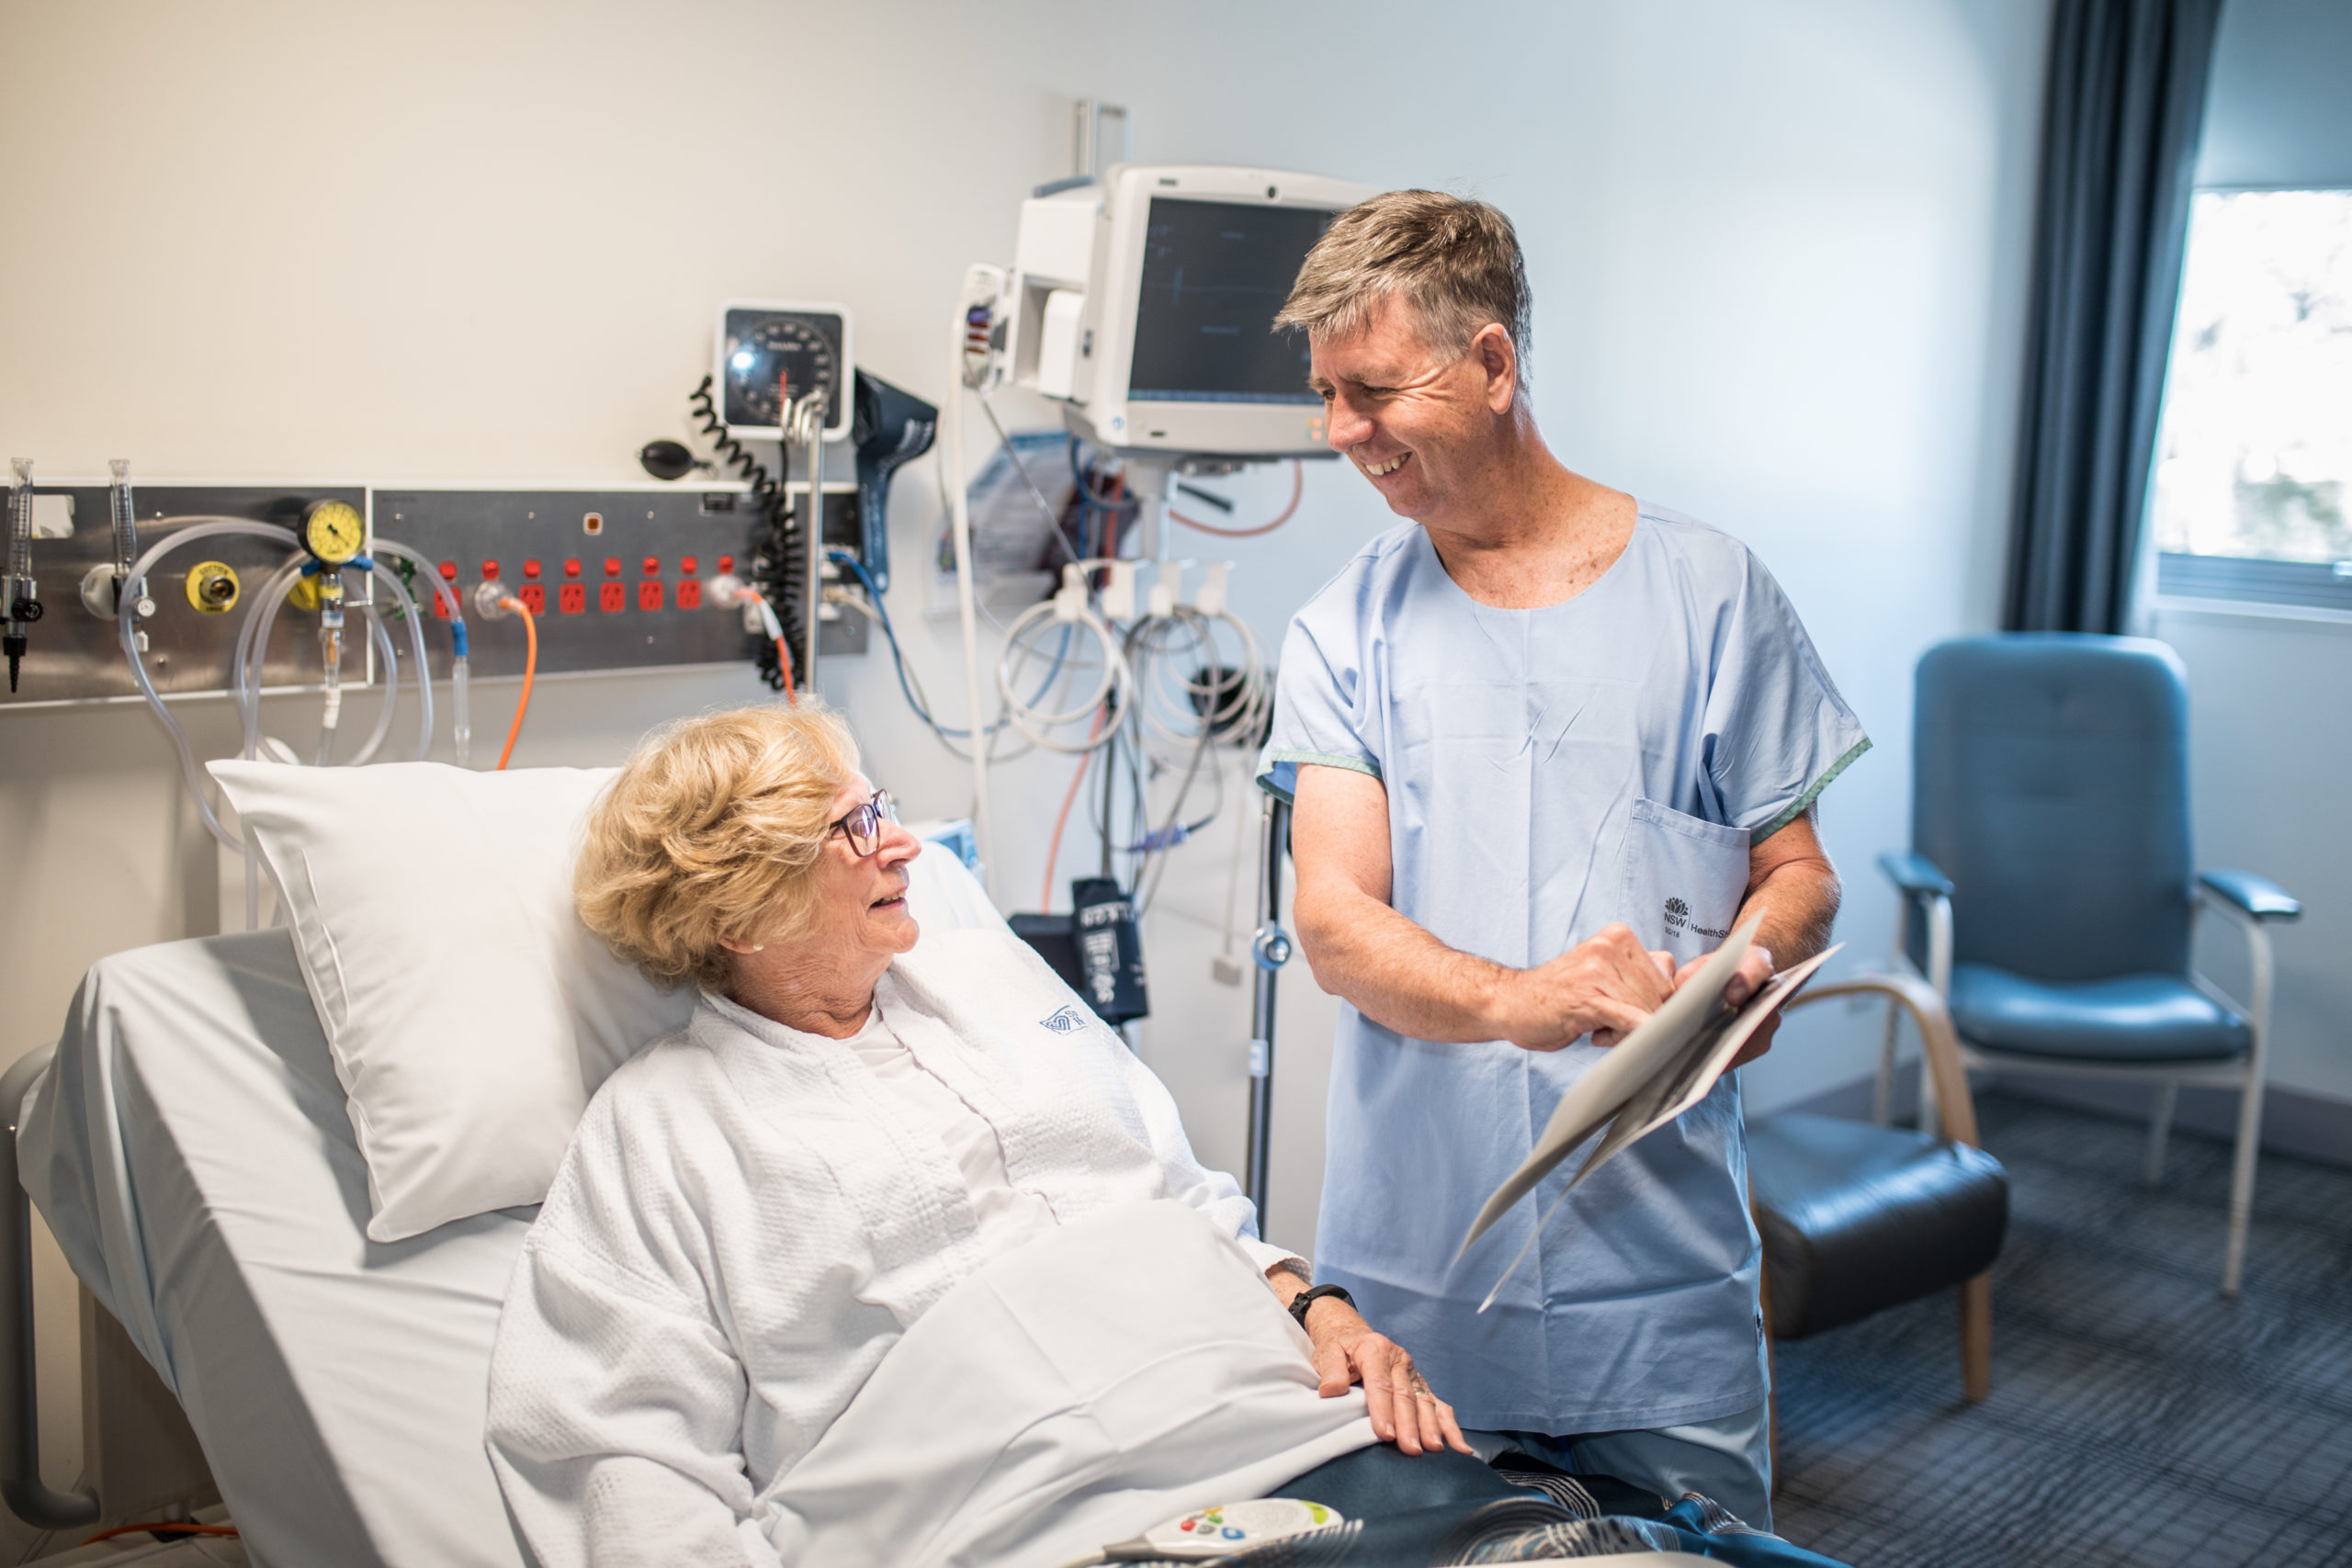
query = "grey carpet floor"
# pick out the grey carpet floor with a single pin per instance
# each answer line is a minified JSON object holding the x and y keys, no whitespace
{"x":2136,"y":1417}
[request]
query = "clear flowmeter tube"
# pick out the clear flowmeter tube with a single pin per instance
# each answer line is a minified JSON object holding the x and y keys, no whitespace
{"x":124,"y":511}
{"x":19,"y":595}
{"x":331,"y":657}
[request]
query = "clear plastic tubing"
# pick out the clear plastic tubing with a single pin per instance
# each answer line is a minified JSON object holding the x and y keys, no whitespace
{"x":381,"y":636}
{"x":415,"y":616}
{"x":125,"y":617}
{"x":252,"y":650}
{"x":461,"y":729}
{"x":253,"y":639}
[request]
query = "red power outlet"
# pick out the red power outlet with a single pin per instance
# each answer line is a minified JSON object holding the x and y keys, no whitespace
{"x":612,"y":598}
{"x":573,"y":597}
{"x":648,"y":595}
{"x":533,"y":597}
{"x":690,"y":595}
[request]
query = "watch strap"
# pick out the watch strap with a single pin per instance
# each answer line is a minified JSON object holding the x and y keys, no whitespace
{"x":1313,"y":1293}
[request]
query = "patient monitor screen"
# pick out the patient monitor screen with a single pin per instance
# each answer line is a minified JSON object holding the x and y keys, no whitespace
{"x":1213,"y":275}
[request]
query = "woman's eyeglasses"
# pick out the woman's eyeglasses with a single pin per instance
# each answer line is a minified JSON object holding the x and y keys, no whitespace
{"x":862,"y":827}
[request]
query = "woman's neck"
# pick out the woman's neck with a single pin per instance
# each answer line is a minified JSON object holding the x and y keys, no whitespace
{"x":797,"y":996}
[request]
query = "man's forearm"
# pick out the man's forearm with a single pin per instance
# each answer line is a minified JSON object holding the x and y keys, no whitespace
{"x":1800,"y":900}
{"x":1395,"y":972}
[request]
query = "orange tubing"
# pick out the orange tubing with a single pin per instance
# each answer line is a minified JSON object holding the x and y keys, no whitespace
{"x":1054,"y":850}
{"x":782,"y":654}
{"x":1297,"y":488}
{"x":530,"y":672}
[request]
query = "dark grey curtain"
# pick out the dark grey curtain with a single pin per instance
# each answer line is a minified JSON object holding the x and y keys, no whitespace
{"x":2123,"y":108}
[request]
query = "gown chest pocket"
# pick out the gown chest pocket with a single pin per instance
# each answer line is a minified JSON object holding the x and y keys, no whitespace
{"x":1684,"y":879}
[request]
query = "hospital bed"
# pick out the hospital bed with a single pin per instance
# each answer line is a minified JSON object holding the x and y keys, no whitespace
{"x":186,"y":1139}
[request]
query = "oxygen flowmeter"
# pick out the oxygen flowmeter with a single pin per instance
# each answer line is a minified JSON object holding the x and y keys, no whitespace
{"x":333,"y":532}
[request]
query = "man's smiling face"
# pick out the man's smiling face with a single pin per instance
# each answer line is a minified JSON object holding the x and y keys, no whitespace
{"x":1417,"y":421}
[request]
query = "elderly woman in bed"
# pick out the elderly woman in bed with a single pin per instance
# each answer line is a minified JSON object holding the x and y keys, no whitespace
{"x":752,"y":1213}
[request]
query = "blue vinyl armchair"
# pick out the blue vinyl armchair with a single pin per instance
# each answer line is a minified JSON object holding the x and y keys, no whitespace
{"x":2050,"y":895}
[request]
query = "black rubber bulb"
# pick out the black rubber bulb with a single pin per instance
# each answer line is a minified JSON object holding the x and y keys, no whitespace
{"x":666,"y":459}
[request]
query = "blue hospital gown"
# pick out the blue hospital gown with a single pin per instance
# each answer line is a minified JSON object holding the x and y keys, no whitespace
{"x":1549,"y":770}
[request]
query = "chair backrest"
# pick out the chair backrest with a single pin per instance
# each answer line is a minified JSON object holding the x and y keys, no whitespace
{"x":2050,"y":782}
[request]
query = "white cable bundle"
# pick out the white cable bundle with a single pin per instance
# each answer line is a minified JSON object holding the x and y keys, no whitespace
{"x":1113,"y":689}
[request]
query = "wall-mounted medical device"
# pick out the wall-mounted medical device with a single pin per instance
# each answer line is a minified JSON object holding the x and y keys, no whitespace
{"x":769,"y":352}
{"x":1145,"y":301}
{"x":617,"y":578}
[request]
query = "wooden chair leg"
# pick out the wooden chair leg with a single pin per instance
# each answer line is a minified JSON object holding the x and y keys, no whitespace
{"x":1976,"y":1337}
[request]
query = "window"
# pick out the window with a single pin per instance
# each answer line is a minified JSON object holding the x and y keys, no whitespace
{"x":2252,"y":492}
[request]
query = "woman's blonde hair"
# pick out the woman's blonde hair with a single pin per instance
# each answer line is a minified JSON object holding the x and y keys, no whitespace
{"x":709,"y":834}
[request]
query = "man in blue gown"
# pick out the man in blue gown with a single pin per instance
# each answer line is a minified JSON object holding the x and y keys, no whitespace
{"x":1548,"y":745}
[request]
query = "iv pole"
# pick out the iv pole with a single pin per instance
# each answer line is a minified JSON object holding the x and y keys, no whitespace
{"x":1269,"y":949}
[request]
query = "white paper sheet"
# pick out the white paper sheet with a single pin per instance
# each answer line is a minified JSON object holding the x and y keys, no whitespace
{"x":1652,"y":1076}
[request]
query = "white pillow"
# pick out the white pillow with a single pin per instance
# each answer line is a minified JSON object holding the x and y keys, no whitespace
{"x":469,"y":1013}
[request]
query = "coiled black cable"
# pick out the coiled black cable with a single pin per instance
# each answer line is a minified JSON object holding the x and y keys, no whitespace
{"x":778,"y":564}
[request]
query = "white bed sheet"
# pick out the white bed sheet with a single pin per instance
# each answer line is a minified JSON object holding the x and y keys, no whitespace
{"x":190,"y":1149}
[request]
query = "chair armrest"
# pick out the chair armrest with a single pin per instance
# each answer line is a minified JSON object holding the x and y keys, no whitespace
{"x":1914,"y":875}
{"x":1938,"y":1041}
{"x":2257,"y":895}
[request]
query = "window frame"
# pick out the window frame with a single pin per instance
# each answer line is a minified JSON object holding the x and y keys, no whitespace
{"x":2184,"y":579}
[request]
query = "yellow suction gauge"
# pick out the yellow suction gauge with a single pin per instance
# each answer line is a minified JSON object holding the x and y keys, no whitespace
{"x":334,"y":530}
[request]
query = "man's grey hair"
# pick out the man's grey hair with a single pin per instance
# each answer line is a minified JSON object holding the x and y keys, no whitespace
{"x":1456,"y":262}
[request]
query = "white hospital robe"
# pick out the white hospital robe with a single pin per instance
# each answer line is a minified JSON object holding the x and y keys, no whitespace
{"x":741,"y":1230}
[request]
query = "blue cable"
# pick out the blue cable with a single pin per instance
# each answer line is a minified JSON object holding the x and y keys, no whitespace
{"x":1086,"y":489}
{"x":899,"y":660}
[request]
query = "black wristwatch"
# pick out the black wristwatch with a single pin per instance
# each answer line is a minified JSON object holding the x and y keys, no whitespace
{"x":1308,"y":1297}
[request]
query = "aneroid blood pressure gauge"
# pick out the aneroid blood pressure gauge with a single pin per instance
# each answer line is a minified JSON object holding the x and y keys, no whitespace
{"x":773,"y":349}
{"x":334,"y":530}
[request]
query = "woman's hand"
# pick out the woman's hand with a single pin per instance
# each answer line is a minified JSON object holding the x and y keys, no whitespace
{"x":1397,"y":1398}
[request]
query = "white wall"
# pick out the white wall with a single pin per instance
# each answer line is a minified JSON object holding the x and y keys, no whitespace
{"x":2270,"y":743}
{"x":1776,"y":251}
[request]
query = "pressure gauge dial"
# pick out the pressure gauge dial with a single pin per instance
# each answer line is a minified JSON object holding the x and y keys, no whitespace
{"x":772,"y":349}
{"x":334,"y":530}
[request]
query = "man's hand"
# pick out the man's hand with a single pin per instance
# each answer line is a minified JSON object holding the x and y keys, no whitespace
{"x":1754,"y":969}
{"x":1603,"y":987}
{"x":1397,"y":1398}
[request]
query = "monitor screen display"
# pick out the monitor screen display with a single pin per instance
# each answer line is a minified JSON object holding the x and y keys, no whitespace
{"x":1213,"y":275}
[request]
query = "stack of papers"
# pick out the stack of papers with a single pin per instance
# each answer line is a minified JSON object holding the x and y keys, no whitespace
{"x":1652,"y":1076}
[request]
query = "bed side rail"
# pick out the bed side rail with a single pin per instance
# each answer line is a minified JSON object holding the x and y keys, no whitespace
{"x":28,"y":1498}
